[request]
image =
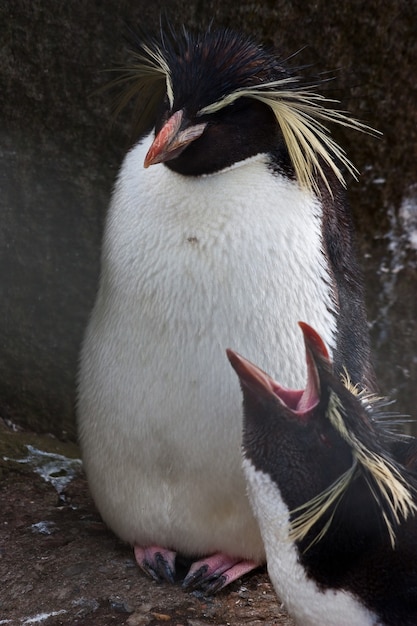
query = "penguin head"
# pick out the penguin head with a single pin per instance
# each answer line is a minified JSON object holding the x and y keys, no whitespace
{"x":324,"y":447}
{"x":218,"y":97}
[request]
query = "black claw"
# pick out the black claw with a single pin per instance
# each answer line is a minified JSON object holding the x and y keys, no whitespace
{"x":191,"y":581}
{"x":164,"y":569}
{"x":148,"y":568}
{"x":198,"y":581}
{"x":159,"y":570}
{"x":213,"y":584}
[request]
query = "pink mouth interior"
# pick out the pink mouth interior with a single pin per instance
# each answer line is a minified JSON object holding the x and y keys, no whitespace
{"x":290,"y":397}
{"x":300,"y":401}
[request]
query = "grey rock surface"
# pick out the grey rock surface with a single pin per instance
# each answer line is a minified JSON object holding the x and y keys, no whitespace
{"x":59,"y":565}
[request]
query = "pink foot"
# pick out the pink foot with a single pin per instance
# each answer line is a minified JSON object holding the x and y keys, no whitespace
{"x":156,"y":562}
{"x":215,"y":572}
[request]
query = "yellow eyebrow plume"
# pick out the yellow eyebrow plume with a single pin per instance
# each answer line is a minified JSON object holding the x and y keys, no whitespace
{"x":300,"y":114}
{"x":389,"y":488}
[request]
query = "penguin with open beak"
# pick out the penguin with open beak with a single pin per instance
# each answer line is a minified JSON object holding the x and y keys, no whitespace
{"x":334,"y":492}
{"x":227,"y":224}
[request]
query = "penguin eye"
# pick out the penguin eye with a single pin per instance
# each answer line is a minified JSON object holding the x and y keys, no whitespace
{"x":325,"y":440}
{"x":236,"y":105}
{"x":240,"y":105}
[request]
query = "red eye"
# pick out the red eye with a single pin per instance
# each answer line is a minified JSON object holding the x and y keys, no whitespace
{"x":325,"y":440}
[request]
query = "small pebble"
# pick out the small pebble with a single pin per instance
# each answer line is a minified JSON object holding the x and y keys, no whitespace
{"x":119,"y":606}
{"x":138,"y":619}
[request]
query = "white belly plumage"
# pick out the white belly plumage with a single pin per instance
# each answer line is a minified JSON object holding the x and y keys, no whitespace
{"x":191,"y":266}
{"x":307,"y":603}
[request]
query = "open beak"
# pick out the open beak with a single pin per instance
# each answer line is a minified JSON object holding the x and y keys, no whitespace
{"x":251,"y":375}
{"x":172,"y":139}
{"x":260,"y":383}
{"x":314,"y":343}
{"x":300,"y":401}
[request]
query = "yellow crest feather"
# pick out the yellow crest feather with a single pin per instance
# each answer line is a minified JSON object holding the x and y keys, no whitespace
{"x":300,"y":114}
{"x":147,"y":76}
{"x":394,"y":493}
{"x":366,"y":397}
{"x":389,"y":488}
{"x":309,"y":513}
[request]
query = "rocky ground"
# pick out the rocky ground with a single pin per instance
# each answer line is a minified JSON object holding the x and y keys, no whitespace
{"x":60,"y":565}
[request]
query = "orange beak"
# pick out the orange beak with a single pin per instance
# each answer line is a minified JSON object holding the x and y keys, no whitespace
{"x":252,"y":375}
{"x":172,"y":140}
{"x":299,"y":401}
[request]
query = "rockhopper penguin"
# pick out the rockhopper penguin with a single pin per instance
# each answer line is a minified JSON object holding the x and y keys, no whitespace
{"x":227,"y":224}
{"x":334,"y":492}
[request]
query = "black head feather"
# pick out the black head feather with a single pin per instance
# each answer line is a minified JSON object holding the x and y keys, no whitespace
{"x":190,"y":69}
{"x":208,"y":73}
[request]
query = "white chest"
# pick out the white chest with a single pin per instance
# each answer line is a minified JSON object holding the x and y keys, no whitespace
{"x":234,"y":259}
{"x":192,"y":266}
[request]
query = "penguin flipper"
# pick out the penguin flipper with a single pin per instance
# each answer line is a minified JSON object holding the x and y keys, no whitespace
{"x":156,"y":562}
{"x":216,"y":572}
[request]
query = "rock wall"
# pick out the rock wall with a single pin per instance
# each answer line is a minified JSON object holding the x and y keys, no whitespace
{"x":60,"y":150}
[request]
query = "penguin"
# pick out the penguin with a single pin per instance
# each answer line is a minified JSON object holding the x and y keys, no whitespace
{"x":227,"y":215}
{"x":334,"y":492}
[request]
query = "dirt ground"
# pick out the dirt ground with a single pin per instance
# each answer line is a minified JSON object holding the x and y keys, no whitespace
{"x":59,"y":564}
